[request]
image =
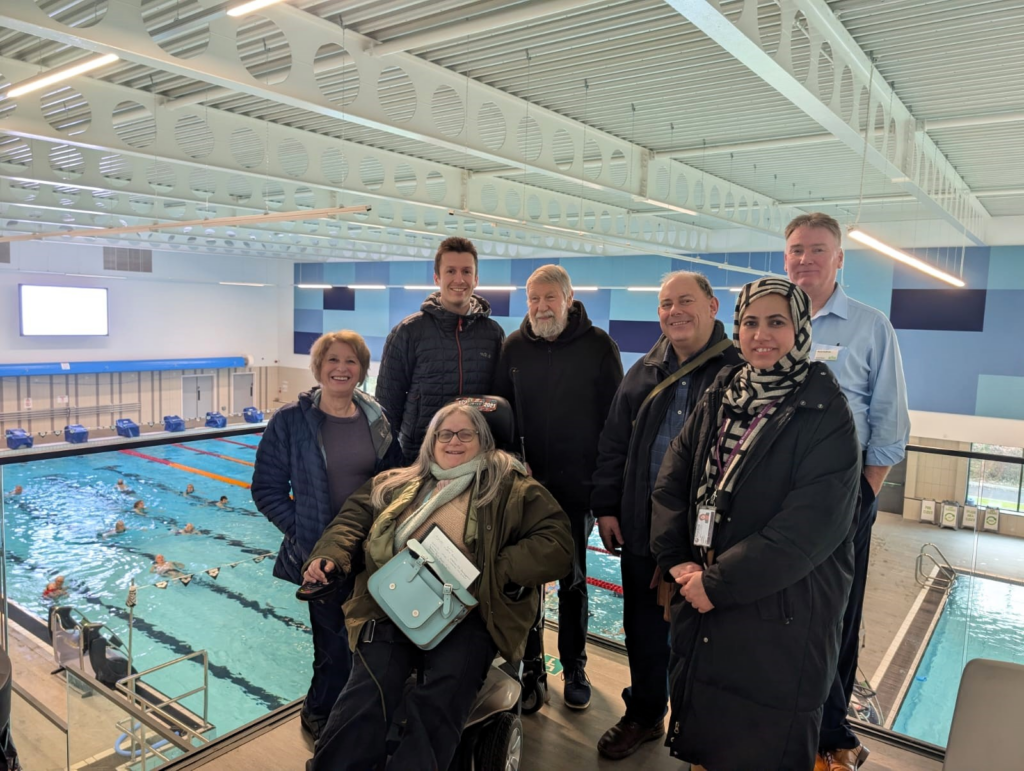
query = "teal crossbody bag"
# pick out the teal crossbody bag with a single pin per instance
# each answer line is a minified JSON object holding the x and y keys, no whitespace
{"x":420,"y":596}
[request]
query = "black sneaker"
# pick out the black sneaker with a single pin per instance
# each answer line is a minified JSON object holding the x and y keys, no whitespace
{"x":577,"y":688}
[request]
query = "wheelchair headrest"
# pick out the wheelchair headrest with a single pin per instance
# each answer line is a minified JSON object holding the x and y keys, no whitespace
{"x":498,"y":414}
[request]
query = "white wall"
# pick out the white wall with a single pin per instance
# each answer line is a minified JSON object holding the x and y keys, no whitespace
{"x":180,"y":310}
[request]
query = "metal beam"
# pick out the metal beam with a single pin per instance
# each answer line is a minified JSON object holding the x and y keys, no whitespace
{"x":903,"y":152}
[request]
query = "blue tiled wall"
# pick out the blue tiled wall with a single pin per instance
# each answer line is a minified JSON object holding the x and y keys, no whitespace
{"x":965,"y":372}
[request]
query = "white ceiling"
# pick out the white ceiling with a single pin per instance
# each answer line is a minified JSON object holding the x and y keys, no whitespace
{"x":544,"y":126}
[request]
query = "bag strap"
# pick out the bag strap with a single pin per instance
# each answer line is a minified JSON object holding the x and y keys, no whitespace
{"x":686,"y":369}
{"x":439,"y":570}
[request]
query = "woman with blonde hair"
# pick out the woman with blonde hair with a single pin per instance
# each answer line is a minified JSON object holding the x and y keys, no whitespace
{"x":314,"y":454}
{"x":502,"y":522}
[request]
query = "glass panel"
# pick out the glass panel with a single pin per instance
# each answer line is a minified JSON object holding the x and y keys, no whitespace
{"x":993,"y":483}
{"x":40,"y":744}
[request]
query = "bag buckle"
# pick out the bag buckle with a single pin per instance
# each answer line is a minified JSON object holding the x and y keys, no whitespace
{"x":368,"y":629}
{"x":446,"y":600}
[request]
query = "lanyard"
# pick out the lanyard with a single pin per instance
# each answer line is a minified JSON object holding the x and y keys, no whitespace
{"x":732,"y":455}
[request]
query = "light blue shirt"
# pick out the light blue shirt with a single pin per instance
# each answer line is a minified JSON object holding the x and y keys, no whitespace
{"x":859,"y":344}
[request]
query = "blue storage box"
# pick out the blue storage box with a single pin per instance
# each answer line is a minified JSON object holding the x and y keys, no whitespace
{"x":173,"y":423}
{"x":215,"y":420}
{"x":17,"y":438}
{"x":127,"y":428}
{"x":76,"y":434}
{"x":252,"y":415}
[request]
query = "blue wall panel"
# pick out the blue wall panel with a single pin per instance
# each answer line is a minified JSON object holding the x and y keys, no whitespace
{"x":309,"y":299}
{"x":1006,"y":267}
{"x":303,"y":341}
{"x":1000,"y":396}
{"x":340,"y":273}
{"x":309,"y":321}
{"x":955,"y":310}
{"x":339,"y":298}
{"x":634,"y":336}
{"x":868,"y":277}
{"x":372,"y":273}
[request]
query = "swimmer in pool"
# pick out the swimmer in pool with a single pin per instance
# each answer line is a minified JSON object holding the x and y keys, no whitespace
{"x":118,"y":529}
{"x":189,"y":529}
{"x":166,"y":568}
{"x":139,"y":507}
{"x":55,"y":589}
{"x":18,"y":490}
{"x":222,"y":502}
{"x":190,"y":490}
{"x":122,"y":487}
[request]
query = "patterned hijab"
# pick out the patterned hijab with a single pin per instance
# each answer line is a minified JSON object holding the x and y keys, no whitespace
{"x":752,"y":389}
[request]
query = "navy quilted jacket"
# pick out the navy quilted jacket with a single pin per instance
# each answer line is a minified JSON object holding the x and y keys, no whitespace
{"x":289,"y":483}
{"x":431,"y":357}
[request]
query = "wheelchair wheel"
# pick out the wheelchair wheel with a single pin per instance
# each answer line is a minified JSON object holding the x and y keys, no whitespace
{"x":535,"y":696}
{"x":500,"y":744}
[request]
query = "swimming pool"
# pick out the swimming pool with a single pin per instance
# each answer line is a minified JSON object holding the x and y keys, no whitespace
{"x":255,"y":631}
{"x":982,"y":618}
{"x":603,"y":591}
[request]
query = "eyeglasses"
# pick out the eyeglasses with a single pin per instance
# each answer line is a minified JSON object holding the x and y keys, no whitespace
{"x":444,"y":436}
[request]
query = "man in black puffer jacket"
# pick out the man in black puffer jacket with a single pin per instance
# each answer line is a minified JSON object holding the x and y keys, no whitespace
{"x":560,"y":373}
{"x":449,"y":347}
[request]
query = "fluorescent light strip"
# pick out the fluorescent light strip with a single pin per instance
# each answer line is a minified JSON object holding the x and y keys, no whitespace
{"x":366,"y":286}
{"x":239,"y":283}
{"x":643,"y":288}
{"x":585,"y":288}
{"x":254,"y":5}
{"x":496,"y":289}
{"x":420,"y":287}
{"x":314,"y":286}
{"x":93,"y":275}
{"x":56,"y":76}
{"x":735,"y":289}
{"x":663,"y":205}
{"x":906,"y":259}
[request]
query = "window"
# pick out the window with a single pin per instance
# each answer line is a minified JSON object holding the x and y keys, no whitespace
{"x":991,"y":483}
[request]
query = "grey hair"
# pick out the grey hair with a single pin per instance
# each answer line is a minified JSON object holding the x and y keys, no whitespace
{"x":700,"y":278}
{"x":497,"y":464}
{"x":551,"y":274}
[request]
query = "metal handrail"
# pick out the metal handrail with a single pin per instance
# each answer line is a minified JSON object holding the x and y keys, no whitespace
{"x":128,"y":686}
{"x":945,"y":575}
{"x":39,"y":707}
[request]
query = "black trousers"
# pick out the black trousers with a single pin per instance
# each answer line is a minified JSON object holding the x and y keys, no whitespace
{"x":836,"y":732}
{"x":435,"y":709}
{"x":332,"y":659}
{"x":573,"y":602}
{"x":647,"y":643}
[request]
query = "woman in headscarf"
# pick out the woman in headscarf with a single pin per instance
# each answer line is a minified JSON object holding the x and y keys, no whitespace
{"x":752,"y":519}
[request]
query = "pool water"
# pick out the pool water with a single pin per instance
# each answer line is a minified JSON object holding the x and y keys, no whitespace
{"x":982,"y":619}
{"x":604,"y":593}
{"x":255,"y":631}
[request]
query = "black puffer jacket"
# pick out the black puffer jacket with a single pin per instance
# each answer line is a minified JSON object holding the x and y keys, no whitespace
{"x":754,"y":672}
{"x":622,"y":481}
{"x":431,"y":357}
{"x":566,"y":387}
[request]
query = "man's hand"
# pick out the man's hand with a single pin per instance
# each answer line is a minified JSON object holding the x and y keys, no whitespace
{"x":876,"y":476}
{"x":611,"y":534}
{"x":314,"y":575}
{"x":693,"y":591}
{"x":684,"y":569}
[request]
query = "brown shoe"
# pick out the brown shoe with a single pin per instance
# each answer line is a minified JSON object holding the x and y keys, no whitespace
{"x":625,"y":737}
{"x":845,"y":760}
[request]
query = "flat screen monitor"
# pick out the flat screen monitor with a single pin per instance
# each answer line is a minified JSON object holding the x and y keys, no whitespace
{"x":63,"y":310}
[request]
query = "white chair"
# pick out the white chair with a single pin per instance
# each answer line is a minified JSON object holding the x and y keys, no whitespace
{"x":986,"y":731}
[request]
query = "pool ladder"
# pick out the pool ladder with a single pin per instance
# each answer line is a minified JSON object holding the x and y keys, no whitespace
{"x":940,"y":575}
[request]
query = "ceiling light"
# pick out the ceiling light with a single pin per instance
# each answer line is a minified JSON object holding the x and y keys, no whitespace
{"x":63,"y":73}
{"x":735,"y":289}
{"x":663,"y":205}
{"x":314,"y":286}
{"x":643,"y":288}
{"x":245,"y":219}
{"x":366,"y":286}
{"x":496,"y":289}
{"x":585,"y":288}
{"x":93,"y":275}
{"x":253,"y":5}
{"x":239,"y":283}
{"x":906,"y":259}
{"x":421,"y":287}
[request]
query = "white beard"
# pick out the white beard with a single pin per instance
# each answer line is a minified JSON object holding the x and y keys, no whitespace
{"x":549,"y":328}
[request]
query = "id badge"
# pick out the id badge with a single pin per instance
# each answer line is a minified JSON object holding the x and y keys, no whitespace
{"x":705,"y":526}
{"x":827,"y":352}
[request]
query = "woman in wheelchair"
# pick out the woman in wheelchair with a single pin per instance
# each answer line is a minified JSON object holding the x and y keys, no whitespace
{"x":495,"y":520}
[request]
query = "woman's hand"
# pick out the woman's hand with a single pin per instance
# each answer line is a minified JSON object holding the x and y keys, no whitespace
{"x":692,"y":589}
{"x":684,"y":569}
{"x":314,"y":575}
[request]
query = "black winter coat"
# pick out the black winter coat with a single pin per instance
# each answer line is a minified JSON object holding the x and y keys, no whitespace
{"x":753,"y":673}
{"x":566,"y":387}
{"x":431,"y":357}
{"x":289,"y":482}
{"x":622,"y":481}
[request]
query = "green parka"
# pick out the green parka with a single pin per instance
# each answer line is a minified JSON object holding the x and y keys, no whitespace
{"x":521,"y":537}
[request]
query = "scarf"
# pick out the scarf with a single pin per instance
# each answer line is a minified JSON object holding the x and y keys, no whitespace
{"x":751,"y":398}
{"x":451,"y":483}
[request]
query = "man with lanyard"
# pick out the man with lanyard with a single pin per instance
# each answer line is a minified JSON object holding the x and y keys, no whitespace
{"x":648,"y":411}
{"x":859,"y":345}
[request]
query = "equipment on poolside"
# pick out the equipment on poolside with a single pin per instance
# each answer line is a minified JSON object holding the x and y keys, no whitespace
{"x":252,"y":415}
{"x":215,"y":420}
{"x":126,"y":428}
{"x":173,"y":423}
{"x":76,"y":434}
{"x":18,"y":438}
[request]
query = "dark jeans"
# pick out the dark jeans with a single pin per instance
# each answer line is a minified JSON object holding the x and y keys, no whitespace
{"x":836,"y":732}
{"x":647,"y":645}
{"x":573,"y":603}
{"x":436,"y":708}
{"x":332,"y":659}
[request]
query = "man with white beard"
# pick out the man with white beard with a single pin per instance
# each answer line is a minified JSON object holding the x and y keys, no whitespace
{"x":560,"y":373}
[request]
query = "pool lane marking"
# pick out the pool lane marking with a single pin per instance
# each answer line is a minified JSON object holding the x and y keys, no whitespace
{"x":599,"y":550}
{"x":602,"y":584}
{"x":180,"y":467}
{"x":240,"y":444}
{"x":214,"y":454}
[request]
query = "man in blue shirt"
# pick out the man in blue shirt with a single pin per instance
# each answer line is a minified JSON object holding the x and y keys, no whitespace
{"x":649,"y":409}
{"x":859,"y":344}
